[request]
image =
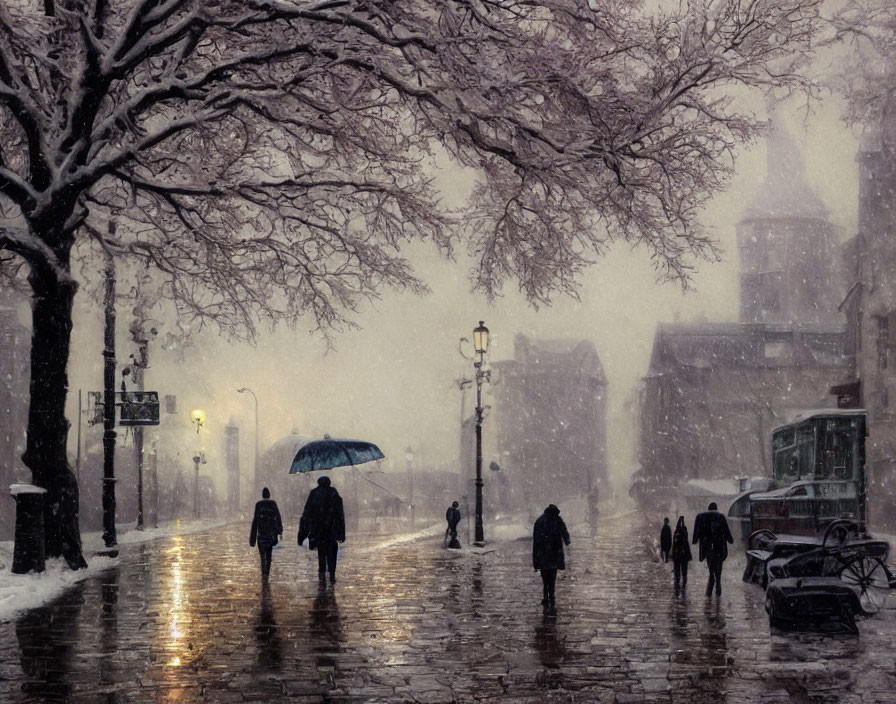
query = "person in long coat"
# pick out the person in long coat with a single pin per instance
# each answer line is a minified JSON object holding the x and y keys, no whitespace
{"x":266,"y":526}
{"x":548,"y":537}
{"x":665,"y":540}
{"x":452,"y":516}
{"x":323,"y":523}
{"x":711,"y":531}
{"x":681,"y":554}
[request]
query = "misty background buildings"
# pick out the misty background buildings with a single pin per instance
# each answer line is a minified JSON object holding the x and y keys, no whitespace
{"x":711,"y":391}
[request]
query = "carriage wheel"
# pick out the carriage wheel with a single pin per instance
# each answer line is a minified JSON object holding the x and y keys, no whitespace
{"x":870,"y":577}
{"x":838,"y":531}
{"x":762,"y":534}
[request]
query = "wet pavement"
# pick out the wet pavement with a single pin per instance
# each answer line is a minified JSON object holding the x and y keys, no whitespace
{"x":188,"y":619}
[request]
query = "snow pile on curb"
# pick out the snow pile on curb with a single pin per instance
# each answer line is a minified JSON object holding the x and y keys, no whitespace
{"x":20,"y":592}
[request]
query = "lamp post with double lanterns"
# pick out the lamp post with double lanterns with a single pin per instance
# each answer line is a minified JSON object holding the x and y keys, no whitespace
{"x":480,"y":345}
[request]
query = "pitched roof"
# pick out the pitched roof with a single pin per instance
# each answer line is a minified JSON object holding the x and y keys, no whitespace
{"x":559,"y":355}
{"x":719,"y":345}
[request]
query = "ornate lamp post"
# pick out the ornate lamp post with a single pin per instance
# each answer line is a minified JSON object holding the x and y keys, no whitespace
{"x":480,"y":345}
{"x":246,"y":389}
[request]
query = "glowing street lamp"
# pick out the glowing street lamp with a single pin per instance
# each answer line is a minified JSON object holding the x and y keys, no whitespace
{"x":197,"y":416}
{"x":480,"y":344}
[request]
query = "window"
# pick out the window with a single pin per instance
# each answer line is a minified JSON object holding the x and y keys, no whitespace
{"x":838,"y":439}
{"x":785,"y":457}
{"x":805,"y":442}
{"x":778,"y":350}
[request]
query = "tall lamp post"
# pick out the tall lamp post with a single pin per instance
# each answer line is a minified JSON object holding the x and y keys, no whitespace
{"x":197,"y":416}
{"x":409,"y":456}
{"x":246,"y":389}
{"x":480,"y":345}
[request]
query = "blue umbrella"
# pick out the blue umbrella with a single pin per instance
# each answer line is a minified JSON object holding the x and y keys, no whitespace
{"x":333,"y":452}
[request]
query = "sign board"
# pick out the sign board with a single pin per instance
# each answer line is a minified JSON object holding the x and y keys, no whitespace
{"x":138,"y":408}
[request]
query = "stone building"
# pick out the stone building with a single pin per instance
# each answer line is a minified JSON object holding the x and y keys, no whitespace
{"x":870,"y":308}
{"x":714,"y":392}
{"x":546,"y":429}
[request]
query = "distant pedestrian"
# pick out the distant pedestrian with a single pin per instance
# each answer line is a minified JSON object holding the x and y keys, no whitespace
{"x":712,"y":532}
{"x":665,"y":540}
{"x":452,"y":516}
{"x":266,"y":526}
{"x":681,"y":554}
{"x":548,"y":537}
{"x":323,"y":523}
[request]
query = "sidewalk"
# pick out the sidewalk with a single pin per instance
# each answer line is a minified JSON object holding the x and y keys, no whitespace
{"x":20,"y":592}
{"x":188,"y":619}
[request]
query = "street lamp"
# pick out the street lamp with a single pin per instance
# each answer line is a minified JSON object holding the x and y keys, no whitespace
{"x":197,"y":416}
{"x":480,"y":345}
{"x":246,"y":389}
{"x":197,"y":458}
{"x":409,"y":456}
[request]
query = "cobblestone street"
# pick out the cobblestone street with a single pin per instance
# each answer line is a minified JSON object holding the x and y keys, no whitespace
{"x":188,"y":620}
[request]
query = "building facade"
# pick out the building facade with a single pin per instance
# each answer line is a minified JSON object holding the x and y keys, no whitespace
{"x":713,"y":392}
{"x":870,"y":308}
{"x":547,"y":428}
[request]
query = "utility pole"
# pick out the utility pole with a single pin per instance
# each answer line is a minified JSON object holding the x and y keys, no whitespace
{"x":109,"y":536}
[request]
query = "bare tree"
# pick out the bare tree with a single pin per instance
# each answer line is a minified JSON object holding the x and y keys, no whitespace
{"x":269,"y":157}
{"x":865,"y":37}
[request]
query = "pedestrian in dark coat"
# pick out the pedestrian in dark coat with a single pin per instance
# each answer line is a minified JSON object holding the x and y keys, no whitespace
{"x":323,"y":523}
{"x":266,"y":526}
{"x":452,"y":516}
{"x":665,"y":540}
{"x":711,"y":531}
{"x":681,"y":554}
{"x":548,"y":537}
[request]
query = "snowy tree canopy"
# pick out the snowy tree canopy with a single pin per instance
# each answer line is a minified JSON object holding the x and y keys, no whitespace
{"x":273,"y":156}
{"x":867,"y":73}
{"x":270,"y":157}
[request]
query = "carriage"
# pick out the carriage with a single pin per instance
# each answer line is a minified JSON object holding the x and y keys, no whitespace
{"x":809,"y":547}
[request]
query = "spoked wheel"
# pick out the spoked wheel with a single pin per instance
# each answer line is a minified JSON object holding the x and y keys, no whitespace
{"x":760,"y":539}
{"x":869,"y":575}
{"x":838,"y":531}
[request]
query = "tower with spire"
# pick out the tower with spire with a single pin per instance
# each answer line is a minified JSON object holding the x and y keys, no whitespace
{"x":791,"y":270}
{"x":715,"y":390}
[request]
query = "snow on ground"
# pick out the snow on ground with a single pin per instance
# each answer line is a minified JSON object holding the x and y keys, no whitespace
{"x":20,"y":592}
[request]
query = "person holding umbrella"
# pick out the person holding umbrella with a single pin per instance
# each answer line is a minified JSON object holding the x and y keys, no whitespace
{"x":323,"y":523}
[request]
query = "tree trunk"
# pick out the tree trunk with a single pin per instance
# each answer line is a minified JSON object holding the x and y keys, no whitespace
{"x":45,"y":452}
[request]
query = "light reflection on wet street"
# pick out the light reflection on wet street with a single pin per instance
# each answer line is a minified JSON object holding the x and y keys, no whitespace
{"x":188,"y":619}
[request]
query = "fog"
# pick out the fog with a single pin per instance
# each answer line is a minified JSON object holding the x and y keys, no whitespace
{"x":393,"y":380}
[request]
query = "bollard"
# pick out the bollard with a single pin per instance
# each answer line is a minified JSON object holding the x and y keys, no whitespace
{"x":28,"y":553}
